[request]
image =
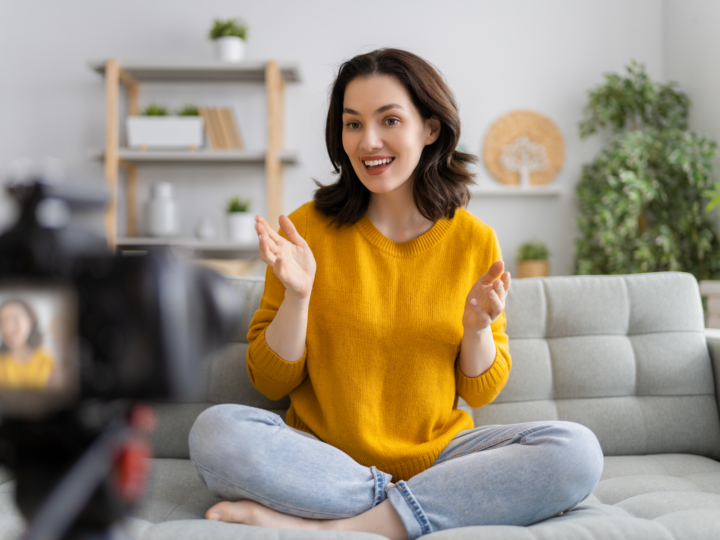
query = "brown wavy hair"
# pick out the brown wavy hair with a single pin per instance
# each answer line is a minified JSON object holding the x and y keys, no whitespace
{"x":442,"y":177}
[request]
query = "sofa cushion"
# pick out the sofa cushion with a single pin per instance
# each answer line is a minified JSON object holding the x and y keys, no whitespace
{"x":668,"y":496}
{"x":626,"y":356}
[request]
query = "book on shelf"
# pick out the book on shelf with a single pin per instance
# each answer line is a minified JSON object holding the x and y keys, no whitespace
{"x":221,"y":128}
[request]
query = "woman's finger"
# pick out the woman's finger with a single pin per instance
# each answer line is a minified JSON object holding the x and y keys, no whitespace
{"x":496,"y":302}
{"x":271,"y":244}
{"x":266,"y":254}
{"x":499,"y":288}
{"x":272,"y":233}
{"x":290,"y":231}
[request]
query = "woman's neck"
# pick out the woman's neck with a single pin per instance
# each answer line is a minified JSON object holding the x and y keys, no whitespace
{"x":395,"y":215}
{"x":21,"y":355}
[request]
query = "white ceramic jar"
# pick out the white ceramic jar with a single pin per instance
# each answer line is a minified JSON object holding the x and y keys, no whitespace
{"x":230,"y":49}
{"x":161,"y":212}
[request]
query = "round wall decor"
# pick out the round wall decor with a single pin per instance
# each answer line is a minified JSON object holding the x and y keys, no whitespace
{"x":524,"y":148}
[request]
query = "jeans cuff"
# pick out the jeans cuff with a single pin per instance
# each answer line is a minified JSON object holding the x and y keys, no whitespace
{"x":382,"y":479}
{"x":408,"y":508}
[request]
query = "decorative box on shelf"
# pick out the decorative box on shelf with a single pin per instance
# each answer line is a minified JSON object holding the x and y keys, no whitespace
{"x":163,"y":132}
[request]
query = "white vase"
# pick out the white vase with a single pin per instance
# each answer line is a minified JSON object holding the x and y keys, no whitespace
{"x":241,"y":226}
{"x":160,"y":211}
{"x":230,"y":49}
{"x":165,"y":131}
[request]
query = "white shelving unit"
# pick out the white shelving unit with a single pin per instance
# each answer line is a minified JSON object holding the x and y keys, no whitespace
{"x":489,"y":190}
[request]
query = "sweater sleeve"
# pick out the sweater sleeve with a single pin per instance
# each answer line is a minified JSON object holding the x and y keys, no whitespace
{"x":269,"y":373}
{"x":483,"y":389}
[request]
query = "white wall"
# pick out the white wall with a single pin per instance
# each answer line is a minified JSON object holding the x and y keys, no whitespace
{"x":691,"y":43}
{"x":497,"y":56}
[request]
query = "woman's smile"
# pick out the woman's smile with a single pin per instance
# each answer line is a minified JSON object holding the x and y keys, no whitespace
{"x":377,"y":164}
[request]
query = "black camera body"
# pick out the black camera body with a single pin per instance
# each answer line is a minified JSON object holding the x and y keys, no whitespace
{"x":119,"y":329}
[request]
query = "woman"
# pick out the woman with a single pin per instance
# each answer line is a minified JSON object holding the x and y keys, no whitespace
{"x":24,"y":363}
{"x":383,"y":302}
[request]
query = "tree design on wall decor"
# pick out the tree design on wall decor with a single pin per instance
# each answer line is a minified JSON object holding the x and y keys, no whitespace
{"x":524,"y":148}
{"x":524,"y":156}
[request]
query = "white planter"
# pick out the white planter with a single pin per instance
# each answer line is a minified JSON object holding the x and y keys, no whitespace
{"x":160,"y":211}
{"x":241,"y":226}
{"x":230,"y":49}
{"x":165,"y":131}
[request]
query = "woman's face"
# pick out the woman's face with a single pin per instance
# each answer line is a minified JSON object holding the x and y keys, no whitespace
{"x":383,"y":132}
{"x":15,"y":325}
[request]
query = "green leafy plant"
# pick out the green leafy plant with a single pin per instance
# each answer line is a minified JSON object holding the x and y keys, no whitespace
{"x":188,"y":110}
{"x":229,"y":27}
{"x":154,"y":110}
{"x":532,"y":251}
{"x":640,"y":200}
{"x":236,"y":204}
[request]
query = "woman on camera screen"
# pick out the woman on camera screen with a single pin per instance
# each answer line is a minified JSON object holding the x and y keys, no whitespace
{"x":383,"y":304}
{"x":24,"y":362}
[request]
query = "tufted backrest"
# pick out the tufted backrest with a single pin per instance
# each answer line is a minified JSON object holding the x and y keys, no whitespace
{"x":624,"y":355}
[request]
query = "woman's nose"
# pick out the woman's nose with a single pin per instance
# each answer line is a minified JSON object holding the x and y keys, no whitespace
{"x":371,"y":139}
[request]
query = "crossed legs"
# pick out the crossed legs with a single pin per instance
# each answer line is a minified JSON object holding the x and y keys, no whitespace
{"x":281,"y":479}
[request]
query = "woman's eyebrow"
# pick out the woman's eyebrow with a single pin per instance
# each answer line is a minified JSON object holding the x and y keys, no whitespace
{"x":382,"y":109}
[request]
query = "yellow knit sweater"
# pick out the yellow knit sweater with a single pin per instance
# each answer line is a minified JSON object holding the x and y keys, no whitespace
{"x":379,"y":378}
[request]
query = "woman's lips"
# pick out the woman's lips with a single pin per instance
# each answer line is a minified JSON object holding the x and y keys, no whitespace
{"x":378,"y":170}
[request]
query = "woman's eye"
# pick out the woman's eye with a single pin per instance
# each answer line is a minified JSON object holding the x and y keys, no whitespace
{"x":393,"y":121}
{"x":353,"y":125}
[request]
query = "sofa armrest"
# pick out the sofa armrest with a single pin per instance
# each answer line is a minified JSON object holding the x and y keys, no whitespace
{"x":712,"y":336}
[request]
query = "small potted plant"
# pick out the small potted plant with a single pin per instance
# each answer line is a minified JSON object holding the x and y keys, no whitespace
{"x":155,"y":128}
{"x":532,"y":260}
{"x":241,"y":223}
{"x":229,"y":37}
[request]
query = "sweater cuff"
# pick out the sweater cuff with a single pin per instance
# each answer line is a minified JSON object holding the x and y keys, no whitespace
{"x":271,"y":365}
{"x":486,"y":384}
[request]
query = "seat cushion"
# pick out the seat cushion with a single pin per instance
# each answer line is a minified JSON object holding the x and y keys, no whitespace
{"x":663,"y":496}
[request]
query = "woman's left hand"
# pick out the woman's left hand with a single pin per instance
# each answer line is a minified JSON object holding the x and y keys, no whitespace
{"x":486,"y":299}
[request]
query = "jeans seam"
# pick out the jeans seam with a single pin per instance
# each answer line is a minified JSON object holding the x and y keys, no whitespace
{"x":419,"y":513}
{"x":331,"y":516}
{"x":378,"y":486}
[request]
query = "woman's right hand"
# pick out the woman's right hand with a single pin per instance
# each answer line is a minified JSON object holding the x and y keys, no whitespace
{"x":291,"y":259}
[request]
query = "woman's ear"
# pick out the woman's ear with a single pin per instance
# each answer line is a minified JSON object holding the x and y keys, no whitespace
{"x":434,"y":124}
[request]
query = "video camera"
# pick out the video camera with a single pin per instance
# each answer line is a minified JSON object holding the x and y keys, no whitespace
{"x":84,"y":336}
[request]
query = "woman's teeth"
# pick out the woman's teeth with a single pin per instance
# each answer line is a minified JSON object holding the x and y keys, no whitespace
{"x":377,"y":163}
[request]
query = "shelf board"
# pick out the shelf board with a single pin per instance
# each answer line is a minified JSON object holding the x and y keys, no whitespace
{"x":515,"y":191}
{"x":196,"y":156}
{"x":187,"y":243}
{"x":211,"y":71}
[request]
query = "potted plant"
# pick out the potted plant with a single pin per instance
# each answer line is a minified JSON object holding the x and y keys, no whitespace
{"x":229,"y":37}
{"x":155,"y":128}
{"x":241,"y":223}
{"x":532,"y":260}
{"x":641,"y":199}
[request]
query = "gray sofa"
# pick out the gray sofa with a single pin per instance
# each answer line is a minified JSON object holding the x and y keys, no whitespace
{"x":626,"y":356}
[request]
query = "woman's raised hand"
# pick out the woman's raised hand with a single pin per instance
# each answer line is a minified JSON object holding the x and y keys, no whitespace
{"x":291,"y":259}
{"x":486,"y":299}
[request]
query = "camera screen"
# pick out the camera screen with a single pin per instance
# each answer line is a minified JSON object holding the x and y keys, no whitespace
{"x":38,"y":346}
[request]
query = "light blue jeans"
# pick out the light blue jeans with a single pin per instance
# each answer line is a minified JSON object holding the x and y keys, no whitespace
{"x":514,"y":474}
